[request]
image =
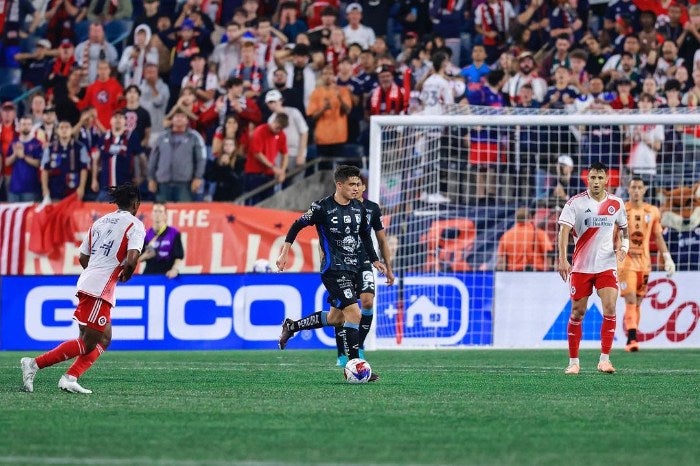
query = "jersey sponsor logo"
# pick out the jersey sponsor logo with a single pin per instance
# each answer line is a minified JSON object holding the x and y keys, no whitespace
{"x":349,"y":244}
{"x":602,"y":221}
{"x":349,"y":260}
{"x":347,"y":219}
{"x":358,"y":219}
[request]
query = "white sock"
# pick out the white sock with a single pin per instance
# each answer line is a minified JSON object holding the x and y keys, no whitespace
{"x":573,"y":361}
{"x":604,"y":357}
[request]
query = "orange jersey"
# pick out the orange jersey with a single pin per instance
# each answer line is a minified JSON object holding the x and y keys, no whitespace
{"x":642,"y":222}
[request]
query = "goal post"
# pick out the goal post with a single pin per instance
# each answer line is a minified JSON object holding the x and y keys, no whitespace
{"x":451,"y":185}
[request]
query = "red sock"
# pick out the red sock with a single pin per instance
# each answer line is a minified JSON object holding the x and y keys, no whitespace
{"x":573,"y":331}
{"x":63,"y":352}
{"x":84,"y":361}
{"x":607,"y":333}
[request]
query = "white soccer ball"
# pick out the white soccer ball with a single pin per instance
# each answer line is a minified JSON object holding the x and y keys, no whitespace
{"x":261,"y":266}
{"x":357,"y":371}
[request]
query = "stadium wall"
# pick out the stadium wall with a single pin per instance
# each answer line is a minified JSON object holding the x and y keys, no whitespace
{"x":243,"y":311}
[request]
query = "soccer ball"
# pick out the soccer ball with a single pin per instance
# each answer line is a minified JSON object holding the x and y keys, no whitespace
{"x":261,"y":266}
{"x":357,"y":371}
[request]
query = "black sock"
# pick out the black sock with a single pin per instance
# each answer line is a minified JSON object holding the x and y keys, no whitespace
{"x":351,"y":341}
{"x":311,"y":321}
{"x":631,"y":335}
{"x":339,"y":341}
{"x":365,"y":324}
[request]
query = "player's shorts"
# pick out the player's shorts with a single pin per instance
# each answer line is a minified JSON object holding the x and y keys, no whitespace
{"x":582,"y":283}
{"x":340,"y":285}
{"x":93,"y":312}
{"x":632,"y":281}
{"x":364,"y":280}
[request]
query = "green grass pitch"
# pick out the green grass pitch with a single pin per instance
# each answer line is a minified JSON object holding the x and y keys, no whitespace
{"x":482,"y":407}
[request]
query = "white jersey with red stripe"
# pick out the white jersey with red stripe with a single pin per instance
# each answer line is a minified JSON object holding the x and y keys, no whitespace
{"x":107,"y":242}
{"x":593,"y":225}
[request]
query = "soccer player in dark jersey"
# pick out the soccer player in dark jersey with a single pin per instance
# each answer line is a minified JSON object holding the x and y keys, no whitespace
{"x":364,"y":280}
{"x":343,"y":229}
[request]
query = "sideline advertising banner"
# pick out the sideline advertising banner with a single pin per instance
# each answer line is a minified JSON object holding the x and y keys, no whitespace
{"x":217,"y":237}
{"x":532,"y":311}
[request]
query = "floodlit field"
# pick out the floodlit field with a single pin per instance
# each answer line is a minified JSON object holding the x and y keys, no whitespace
{"x":293,"y":407}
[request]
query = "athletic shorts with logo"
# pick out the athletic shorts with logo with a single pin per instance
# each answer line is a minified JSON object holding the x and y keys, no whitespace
{"x":340,"y":285}
{"x":364,"y":281}
{"x":582,"y":284}
{"x":633,"y":281}
{"x":93,"y":312}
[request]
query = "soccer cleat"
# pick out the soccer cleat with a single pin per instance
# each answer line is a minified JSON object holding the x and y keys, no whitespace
{"x":606,"y":366}
{"x":573,"y":369}
{"x":286,"y":332}
{"x":374,"y":377}
{"x":70,"y":384}
{"x":29,"y":369}
{"x":632,"y":347}
{"x":342,"y":360}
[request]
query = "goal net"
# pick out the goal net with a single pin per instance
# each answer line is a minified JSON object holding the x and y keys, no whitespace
{"x":450,"y":186}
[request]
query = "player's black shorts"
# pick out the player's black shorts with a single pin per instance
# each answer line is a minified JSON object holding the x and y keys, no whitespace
{"x":364,"y":280}
{"x":340,"y":285}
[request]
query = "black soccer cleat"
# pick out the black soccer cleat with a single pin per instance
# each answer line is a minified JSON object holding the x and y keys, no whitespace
{"x":287,"y":333}
{"x":374,"y":377}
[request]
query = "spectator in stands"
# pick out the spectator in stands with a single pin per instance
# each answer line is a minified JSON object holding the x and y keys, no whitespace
{"x":135,"y":57}
{"x":289,"y":22}
{"x":204,"y":82}
{"x":408,"y":47}
{"x":268,"y":144}
{"x":230,"y":130}
{"x":524,"y":247}
{"x":596,"y":57}
{"x":228,"y":185}
{"x":414,"y":16}
{"x":649,"y":38}
{"x":336,"y":49}
{"x":177,"y":161}
{"x":106,"y":95}
{"x":689,"y":40}
{"x":186,"y":103}
{"x":664,"y":67}
{"x":579,"y":75}
{"x":191,"y":10}
{"x":62,"y":17}
{"x":626,"y":63}
{"x":561,"y":95}
{"x":24,"y":157}
{"x":621,"y":9}
{"x":251,"y":9}
{"x":527,"y":73}
{"x":268,"y":41}
{"x":94,"y":50}
{"x":672,"y":149}
{"x":37,"y":107}
{"x":67,"y":92}
{"x":649,"y":86}
{"x":163,"y":252}
{"x":62,"y":65}
{"x":558,"y":57}
{"x":478,"y":68}
{"x":355,"y":31}
{"x":301,"y":78}
{"x":90,"y":136}
{"x":116,"y":162}
{"x":375,"y":15}
{"x":319,"y":35}
{"x":328,"y":107}
{"x":14,"y":13}
{"x":138,"y":121}
{"x":564,"y":20}
{"x":645,"y":141}
{"x":250,"y":71}
{"x":492,"y":19}
{"x":387,"y":98}
{"x":45,"y":132}
{"x":692,"y":97}
{"x":596,"y":98}
{"x":296,"y":132}
{"x":624,"y":99}
{"x":155,"y":95}
{"x":64,"y":165}
{"x":115,"y":15}
{"x":8,"y":133}
{"x":234,"y":102}
{"x":36,"y":65}
{"x":227,"y":55}
{"x":533,"y":20}
{"x":149,"y":17}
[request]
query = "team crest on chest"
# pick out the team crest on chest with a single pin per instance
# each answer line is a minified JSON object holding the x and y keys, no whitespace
{"x":611,"y":210}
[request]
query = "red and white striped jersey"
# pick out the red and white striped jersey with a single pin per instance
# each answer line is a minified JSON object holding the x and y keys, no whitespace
{"x":593,"y":226}
{"x":107,"y":242}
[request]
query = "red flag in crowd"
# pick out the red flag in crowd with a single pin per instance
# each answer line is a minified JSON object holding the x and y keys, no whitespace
{"x":54,"y":225}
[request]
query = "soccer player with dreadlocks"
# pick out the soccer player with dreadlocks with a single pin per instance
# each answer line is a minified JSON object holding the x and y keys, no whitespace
{"x":109,"y":253}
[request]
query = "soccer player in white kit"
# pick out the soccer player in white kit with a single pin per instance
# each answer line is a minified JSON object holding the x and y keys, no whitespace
{"x":109,"y":253}
{"x":591,"y":216}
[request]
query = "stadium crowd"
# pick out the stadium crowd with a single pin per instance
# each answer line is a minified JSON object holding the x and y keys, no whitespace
{"x":210,"y":99}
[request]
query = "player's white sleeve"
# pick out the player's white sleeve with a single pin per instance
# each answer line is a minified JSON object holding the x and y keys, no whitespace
{"x":621,"y":219}
{"x":568,"y":215}
{"x":85,"y":245}
{"x":136,"y":236}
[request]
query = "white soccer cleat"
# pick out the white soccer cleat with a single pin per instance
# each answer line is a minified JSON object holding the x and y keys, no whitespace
{"x":69,"y":383}
{"x":29,"y":370}
{"x":572,"y":369}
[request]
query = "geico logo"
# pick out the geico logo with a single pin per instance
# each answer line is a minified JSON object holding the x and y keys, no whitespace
{"x":150,"y":312}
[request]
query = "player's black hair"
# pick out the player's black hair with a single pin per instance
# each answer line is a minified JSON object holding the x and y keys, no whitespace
{"x":344,"y":172}
{"x":494,"y":77}
{"x":124,"y":195}
{"x":438,"y":59}
{"x":637,"y":178}
{"x":598,"y":166}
